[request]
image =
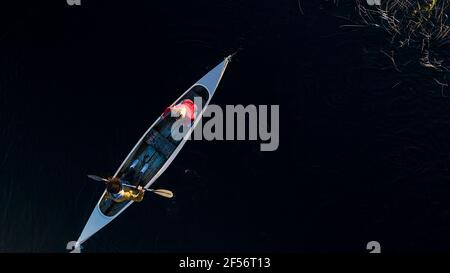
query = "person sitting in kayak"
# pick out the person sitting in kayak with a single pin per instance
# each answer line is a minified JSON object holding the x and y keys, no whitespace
{"x":118,"y":194}
{"x":186,"y":110}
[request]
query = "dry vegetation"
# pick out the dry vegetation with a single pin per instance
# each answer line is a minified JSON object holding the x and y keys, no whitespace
{"x":413,"y":26}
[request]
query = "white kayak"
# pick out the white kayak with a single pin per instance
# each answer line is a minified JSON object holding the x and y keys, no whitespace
{"x":153,"y":153}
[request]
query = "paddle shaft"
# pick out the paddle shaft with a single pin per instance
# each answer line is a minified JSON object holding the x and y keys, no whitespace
{"x":162,"y":192}
{"x":135,"y":187}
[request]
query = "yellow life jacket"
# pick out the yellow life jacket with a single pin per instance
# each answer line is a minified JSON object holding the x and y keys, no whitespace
{"x":126,"y":194}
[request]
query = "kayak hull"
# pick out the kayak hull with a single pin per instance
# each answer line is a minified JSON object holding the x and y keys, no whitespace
{"x":158,"y":148}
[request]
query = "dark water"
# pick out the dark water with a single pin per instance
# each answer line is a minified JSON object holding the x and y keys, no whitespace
{"x":358,"y":160}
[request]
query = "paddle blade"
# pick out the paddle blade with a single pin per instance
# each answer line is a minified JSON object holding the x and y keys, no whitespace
{"x":164,"y":193}
{"x":97,"y":178}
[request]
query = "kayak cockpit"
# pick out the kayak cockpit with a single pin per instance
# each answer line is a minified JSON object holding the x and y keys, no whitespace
{"x":153,"y":152}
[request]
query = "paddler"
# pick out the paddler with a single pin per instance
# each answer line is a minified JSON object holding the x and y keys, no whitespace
{"x":185,"y":110}
{"x":119,"y":194}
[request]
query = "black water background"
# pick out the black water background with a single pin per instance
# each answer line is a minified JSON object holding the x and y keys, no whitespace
{"x":358,"y":160}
